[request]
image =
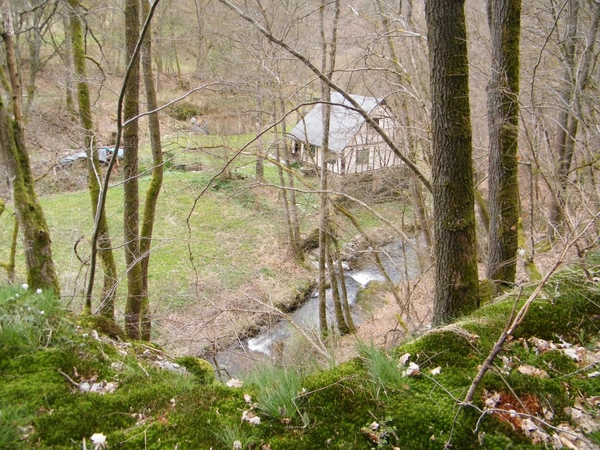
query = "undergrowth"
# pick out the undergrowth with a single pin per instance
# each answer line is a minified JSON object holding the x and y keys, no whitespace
{"x":542,"y":382}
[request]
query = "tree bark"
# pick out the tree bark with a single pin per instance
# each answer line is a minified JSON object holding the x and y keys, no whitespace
{"x":135,"y":290}
{"x":157,"y":174}
{"x":336,"y":299}
{"x":456,"y":280}
{"x":107,"y":305}
{"x":504,"y":17}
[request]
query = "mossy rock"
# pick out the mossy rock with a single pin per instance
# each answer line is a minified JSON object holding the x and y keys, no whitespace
{"x":567,"y":303}
{"x":183,"y":111}
{"x":104,"y":325}
{"x":202,"y":370}
{"x":373,"y":291}
{"x":311,"y":241}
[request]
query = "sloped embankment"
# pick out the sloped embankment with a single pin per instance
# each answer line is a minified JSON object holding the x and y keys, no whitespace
{"x":63,"y":383}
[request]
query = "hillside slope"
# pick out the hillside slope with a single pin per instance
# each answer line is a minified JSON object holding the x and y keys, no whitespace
{"x":64,"y":383}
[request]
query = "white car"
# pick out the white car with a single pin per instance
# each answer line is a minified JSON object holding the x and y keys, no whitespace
{"x":104,"y":155}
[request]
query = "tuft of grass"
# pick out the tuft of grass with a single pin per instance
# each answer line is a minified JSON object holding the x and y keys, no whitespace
{"x":381,"y":366}
{"x":230,"y":435}
{"x":13,"y":426}
{"x":278,"y":388}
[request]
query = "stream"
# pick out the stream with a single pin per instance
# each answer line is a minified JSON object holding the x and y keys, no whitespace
{"x":400,"y":262}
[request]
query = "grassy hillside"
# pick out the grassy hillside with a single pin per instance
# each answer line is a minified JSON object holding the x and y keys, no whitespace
{"x":219,"y":241}
{"x":63,"y":383}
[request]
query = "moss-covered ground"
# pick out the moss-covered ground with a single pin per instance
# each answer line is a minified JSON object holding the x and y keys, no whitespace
{"x":63,"y":382}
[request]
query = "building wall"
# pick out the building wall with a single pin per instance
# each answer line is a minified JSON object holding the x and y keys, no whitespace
{"x":366,"y":152}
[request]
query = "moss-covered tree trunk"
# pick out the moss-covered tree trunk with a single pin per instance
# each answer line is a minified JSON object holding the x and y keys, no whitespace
{"x":504,"y":18}
{"x":456,"y":280}
{"x":41,"y":273}
{"x":343,"y":290}
{"x":157,"y":175}
{"x":135,"y":286}
{"x":9,"y":265}
{"x":105,"y":253}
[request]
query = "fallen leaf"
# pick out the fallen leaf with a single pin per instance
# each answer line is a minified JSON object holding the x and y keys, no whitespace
{"x":235,"y":383}
{"x":374,"y":426}
{"x":491,"y":400}
{"x":541,"y":344}
{"x":436,"y":371}
{"x":532,"y":371}
{"x":573,"y":352}
{"x":251,"y":418}
{"x":412,"y":370}
{"x":99,"y":441}
{"x":403,"y":359}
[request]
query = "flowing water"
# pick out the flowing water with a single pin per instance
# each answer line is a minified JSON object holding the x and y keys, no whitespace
{"x":399,"y":261}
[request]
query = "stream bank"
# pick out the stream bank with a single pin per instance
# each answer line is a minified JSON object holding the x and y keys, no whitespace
{"x":286,"y":340}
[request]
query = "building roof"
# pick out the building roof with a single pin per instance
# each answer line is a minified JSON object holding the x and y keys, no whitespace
{"x":345,"y":122}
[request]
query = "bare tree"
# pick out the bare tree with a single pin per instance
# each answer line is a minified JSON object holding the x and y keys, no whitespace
{"x":41,"y":272}
{"x":456,"y":279}
{"x":575,"y":81}
{"x":131,"y":210}
{"x":157,"y":172}
{"x":107,"y":306}
{"x":504,"y":17}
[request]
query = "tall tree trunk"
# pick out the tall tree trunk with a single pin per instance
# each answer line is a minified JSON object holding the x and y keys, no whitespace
{"x":259,"y":167}
{"x":292,"y":207}
{"x":343,"y":290}
{"x":456,"y":280}
{"x":504,"y":17}
{"x":157,"y":173}
{"x":327,"y":68}
{"x":107,"y":305}
{"x":41,"y":272}
{"x":135,"y":289}
{"x":562,"y":123}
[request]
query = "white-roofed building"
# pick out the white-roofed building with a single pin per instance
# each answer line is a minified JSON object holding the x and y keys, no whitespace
{"x":354,"y":145}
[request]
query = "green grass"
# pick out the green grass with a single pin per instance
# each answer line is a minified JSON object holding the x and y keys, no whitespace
{"x":224,"y":235}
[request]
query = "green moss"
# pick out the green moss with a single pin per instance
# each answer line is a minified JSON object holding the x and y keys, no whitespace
{"x":572,"y":303}
{"x":103,"y":325}
{"x":486,"y":291}
{"x":445,"y":348}
{"x":202,"y":370}
{"x":183,"y":111}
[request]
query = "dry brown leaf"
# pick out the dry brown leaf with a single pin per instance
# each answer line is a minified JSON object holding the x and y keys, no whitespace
{"x":532,"y":371}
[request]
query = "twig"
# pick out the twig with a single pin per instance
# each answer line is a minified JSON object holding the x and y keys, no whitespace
{"x":143,"y":370}
{"x":74,"y":383}
{"x":515,"y":323}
